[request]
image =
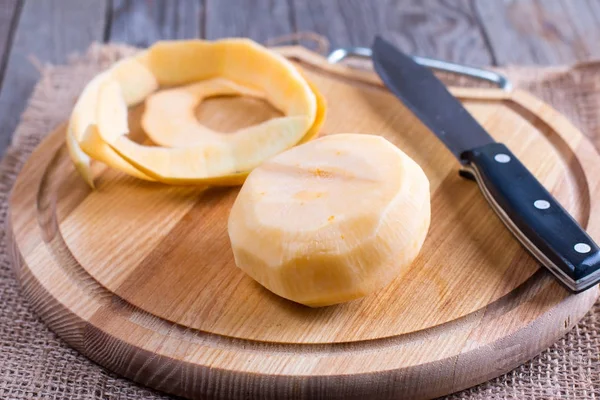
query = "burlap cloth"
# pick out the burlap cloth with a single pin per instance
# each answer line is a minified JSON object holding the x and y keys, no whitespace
{"x":35,"y":363}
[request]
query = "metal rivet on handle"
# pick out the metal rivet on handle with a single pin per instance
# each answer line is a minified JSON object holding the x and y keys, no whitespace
{"x":502,"y":158}
{"x":582,"y":248}
{"x":541,"y":204}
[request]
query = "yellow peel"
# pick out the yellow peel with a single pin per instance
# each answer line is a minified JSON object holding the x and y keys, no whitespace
{"x":134,"y":78}
{"x":207,"y":162}
{"x":135,"y":82}
{"x":112,"y":120}
{"x":142,"y":157}
{"x":83,"y":115}
{"x":315,"y":129}
{"x":248,"y":67}
{"x":239,"y":60}
{"x":111,"y":112}
{"x":79,"y":158}
{"x":169,"y":116}
{"x":93,"y":145}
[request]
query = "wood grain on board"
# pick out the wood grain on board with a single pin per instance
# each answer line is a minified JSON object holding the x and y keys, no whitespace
{"x":140,"y":277}
{"x":541,"y":31}
{"x":141,"y":23}
{"x":48,"y":31}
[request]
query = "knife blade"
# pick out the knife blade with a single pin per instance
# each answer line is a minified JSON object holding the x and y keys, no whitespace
{"x":527,"y":209}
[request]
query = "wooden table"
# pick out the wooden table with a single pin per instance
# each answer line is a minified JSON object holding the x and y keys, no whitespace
{"x":479,"y":32}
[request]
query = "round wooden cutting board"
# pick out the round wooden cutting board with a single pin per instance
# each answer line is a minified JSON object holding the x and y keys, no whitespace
{"x":140,"y":277}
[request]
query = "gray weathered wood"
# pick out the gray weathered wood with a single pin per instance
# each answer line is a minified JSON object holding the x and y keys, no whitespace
{"x":541,"y":31}
{"x":260,"y":20}
{"x":9,"y":15}
{"x":443,"y":29}
{"x":49,"y":30}
{"x":141,"y":23}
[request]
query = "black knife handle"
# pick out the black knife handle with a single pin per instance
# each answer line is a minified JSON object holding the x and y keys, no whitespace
{"x":534,"y":216}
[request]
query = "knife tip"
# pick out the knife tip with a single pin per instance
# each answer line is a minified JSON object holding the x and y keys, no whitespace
{"x":382,"y":46}
{"x":378,"y":40}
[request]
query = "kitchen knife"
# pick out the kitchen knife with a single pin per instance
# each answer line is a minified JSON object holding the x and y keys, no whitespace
{"x":529,"y":211}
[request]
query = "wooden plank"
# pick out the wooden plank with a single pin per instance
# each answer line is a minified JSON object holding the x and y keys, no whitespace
{"x":446,"y":30}
{"x":541,"y":32}
{"x":141,"y":23}
{"x":48,"y":30}
{"x":9,"y":15}
{"x":260,"y":20}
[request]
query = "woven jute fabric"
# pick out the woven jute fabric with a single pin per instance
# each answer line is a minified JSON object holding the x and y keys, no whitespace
{"x":36,"y":364}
